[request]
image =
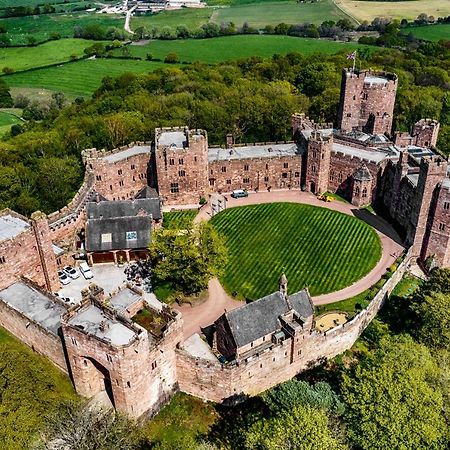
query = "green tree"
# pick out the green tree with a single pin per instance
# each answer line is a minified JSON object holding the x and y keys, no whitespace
{"x":6,"y":100}
{"x":392,"y":401}
{"x":301,"y":428}
{"x":188,"y":259}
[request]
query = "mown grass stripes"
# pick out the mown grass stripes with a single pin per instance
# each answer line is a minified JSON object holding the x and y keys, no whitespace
{"x":319,"y":248}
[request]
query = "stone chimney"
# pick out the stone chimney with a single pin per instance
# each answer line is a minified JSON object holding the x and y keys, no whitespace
{"x":283,"y":285}
{"x":230,"y":141}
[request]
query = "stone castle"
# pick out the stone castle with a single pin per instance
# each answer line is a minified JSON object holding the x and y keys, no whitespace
{"x":130,"y":345}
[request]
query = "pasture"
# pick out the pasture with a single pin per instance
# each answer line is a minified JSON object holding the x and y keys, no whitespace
{"x":316,"y":247}
{"x":273,"y":13}
{"x":52,"y":52}
{"x":227,"y":48}
{"x":256,"y":14}
{"x":368,"y":10}
{"x":80,"y":78}
{"x":431,"y":32}
{"x":41,"y":27}
{"x":6,"y":120}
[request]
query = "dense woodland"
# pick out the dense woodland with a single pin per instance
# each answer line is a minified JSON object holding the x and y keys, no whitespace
{"x":253,"y":99}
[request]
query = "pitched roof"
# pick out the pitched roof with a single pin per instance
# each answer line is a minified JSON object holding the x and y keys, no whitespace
{"x":124,"y":208}
{"x":261,"y":317}
{"x":362,"y":174}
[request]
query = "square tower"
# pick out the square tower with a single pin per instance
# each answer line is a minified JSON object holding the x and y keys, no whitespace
{"x":181,"y":165}
{"x":367,"y":101}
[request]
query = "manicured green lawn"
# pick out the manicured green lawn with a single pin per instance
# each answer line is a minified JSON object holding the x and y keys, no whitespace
{"x":179,"y":219}
{"x":233,"y":47}
{"x":181,"y":422}
{"x":273,"y":13}
{"x":431,"y":32}
{"x":351,"y":305}
{"x":6,"y":120}
{"x":21,"y":58}
{"x":43,"y":25}
{"x":317,"y":247}
{"x":80,"y":78}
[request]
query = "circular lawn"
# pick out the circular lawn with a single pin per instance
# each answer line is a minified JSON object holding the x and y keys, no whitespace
{"x":317,"y":247}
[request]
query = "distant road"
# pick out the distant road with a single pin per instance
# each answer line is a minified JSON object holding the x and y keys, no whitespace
{"x":127,"y":20}
{"x":346,"y":13}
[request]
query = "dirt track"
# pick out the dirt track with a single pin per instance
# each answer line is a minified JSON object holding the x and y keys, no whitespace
{"x":219,"y":301}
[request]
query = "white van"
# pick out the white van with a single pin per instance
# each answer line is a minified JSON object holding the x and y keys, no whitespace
{"x":86,"y":271}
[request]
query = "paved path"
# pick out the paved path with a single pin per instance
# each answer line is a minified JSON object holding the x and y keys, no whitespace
{"x":390,"y":241}
{"x":205,"y":314}
{"x":127,"y":20}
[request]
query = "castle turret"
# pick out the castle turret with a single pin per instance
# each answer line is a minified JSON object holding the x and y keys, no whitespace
{"x":425,"y":133}
{"x":362,"y":187}
{"x":318,"y":162}
{"x":433,"y":169}
{"x":367,"y":101}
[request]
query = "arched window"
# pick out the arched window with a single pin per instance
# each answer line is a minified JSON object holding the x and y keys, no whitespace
{"x":357,"y":190}
{"x":364,"y":192}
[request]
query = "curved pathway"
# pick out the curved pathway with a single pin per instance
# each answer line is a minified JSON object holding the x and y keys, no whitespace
{"x":219,"y":301}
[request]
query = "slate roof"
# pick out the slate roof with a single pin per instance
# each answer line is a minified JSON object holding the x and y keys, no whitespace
{"x":124,"y":208}
{"x":261,"y":317}
{"x":118,"y":227}
{"x":362,"y":174}
{"x":11,"y":226}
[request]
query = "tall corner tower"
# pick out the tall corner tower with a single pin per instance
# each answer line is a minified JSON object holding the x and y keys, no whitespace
{"x":367,"y":101}
{"x":181,"y":165}
{"x":318,"y":162}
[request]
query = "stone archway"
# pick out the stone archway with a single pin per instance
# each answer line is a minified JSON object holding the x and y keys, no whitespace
{"x":99,"y":378}
{"x":313,"y":187}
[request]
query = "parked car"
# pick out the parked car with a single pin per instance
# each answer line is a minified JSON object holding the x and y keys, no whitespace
{"x":86,"y":271}
{"x":63,"y":277}
{"x":68,"y":300}
{"x":71,"y":272}
{"x":239,"y":193}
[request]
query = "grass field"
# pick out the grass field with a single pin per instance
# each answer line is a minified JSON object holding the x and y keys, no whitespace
{"x":317,"y":247}
{"x":182,"y":421}
{"x":80,"y":78}
{"x":368,"y":10}
{"x":193,"y":18}
{"x":431,"y":32}
{"x":6,"y":120}
{"x":43,"y":25}
{"x":233,"y":47}
{"x":257,"y":15}
{"x":20,"y":58}
{"x":179,"y":220}
{"x":84,"y":77}
{"x":273,"y":13}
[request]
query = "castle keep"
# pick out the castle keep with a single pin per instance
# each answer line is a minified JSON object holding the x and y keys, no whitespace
{"x":128,"y":344}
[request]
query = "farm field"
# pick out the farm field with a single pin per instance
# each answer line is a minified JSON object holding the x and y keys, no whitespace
{"x":178,"y":220}
{"x":233,"y":47}
{"x":368,"y":10}
{"x":273,"y":13}
{"x":193,"y":18}
{"x":21,"y":58}
{"x":80,"y":78}
{"x":257,"y":15}
{"x":431,"y":32}
{"x":41,"y":27}
{"x":316,"y":247}
{"x":6,"y":120}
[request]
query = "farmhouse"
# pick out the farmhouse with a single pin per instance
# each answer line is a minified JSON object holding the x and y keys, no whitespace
{"x":130,"y":344}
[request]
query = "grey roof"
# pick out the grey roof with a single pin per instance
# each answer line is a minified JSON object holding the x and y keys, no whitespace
{"x":413,"y":178}
{"x":367,"y":154}
{"x":261,"y":317}
{"x":124,"y":208}
{"x":325,"y":132}
{"x":118,"y":227}
{"x":371,"y":79}
{"x":362,"y":174}
{"x":11,"y":226}
{"x":148,"y":192}
{"x":92,"y":320}
{"x":58,"y":251}
{"x":124,"y":299}
{"x":132,"y":151}
{"x":253,"y":151}
{"x":34,"y":305}
{"x":446,"y":183}
{"x":175,"y":139}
